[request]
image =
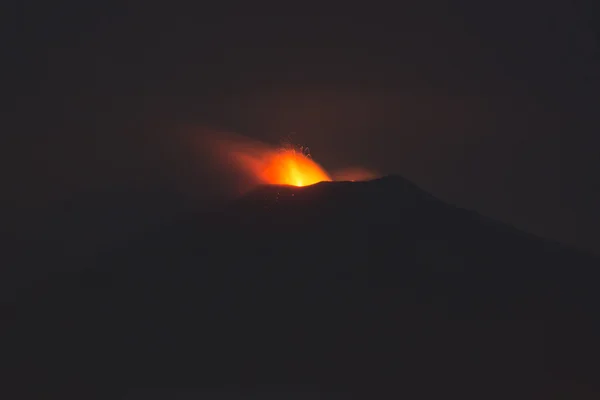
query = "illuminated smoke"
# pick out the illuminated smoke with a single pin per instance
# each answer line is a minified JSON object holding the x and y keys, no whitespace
{"x":266,"y":164}
{"x":288,"y":164}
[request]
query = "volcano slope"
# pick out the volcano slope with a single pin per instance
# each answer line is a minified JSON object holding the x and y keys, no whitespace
{"x":357,"y":288}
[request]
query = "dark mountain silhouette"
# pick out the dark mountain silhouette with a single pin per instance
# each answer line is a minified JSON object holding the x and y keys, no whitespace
{"x":362,"y":288}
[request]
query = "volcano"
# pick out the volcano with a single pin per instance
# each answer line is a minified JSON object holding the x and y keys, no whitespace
{"x":363,"y":289}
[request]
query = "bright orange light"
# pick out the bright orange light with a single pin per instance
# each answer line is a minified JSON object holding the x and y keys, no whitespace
{"x":260,"y":163}
{"x":283,"y":167}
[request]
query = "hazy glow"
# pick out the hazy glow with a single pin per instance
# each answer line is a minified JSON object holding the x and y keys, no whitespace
{"x":284,"y":167}
{"x":259,"y":163}
{"x":354,"y":174}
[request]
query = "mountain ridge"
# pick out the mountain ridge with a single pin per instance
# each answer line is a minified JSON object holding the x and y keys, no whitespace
{"x":345,"y":286}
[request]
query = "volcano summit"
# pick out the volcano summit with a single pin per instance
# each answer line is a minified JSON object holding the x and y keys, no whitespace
{"x":361,"y":288}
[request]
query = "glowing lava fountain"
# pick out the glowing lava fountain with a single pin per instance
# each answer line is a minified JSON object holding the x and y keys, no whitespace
{"x":281,"y":167}
{"x":260,"y":163}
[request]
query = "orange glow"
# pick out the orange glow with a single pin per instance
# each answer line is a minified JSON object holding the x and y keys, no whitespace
{"x":260,"y":163}
{"x":284,"y":167}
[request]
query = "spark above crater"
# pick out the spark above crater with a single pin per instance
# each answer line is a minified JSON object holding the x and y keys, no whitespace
{"x":282,"y":167}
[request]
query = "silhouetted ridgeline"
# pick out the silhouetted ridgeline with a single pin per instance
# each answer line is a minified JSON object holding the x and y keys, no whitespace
{"x":364,"y":288}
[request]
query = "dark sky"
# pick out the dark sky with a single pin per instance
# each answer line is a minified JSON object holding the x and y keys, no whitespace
{"x":491,"y":105}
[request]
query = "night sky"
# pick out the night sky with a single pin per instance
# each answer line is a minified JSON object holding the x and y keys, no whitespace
{"x":492,"y":106}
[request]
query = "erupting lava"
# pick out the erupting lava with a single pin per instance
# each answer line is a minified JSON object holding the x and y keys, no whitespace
{"x":283,"y":167}
{"x":263,"y":164}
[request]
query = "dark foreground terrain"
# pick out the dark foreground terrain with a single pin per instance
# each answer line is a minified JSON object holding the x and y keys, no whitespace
{"x":347,"y":290}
